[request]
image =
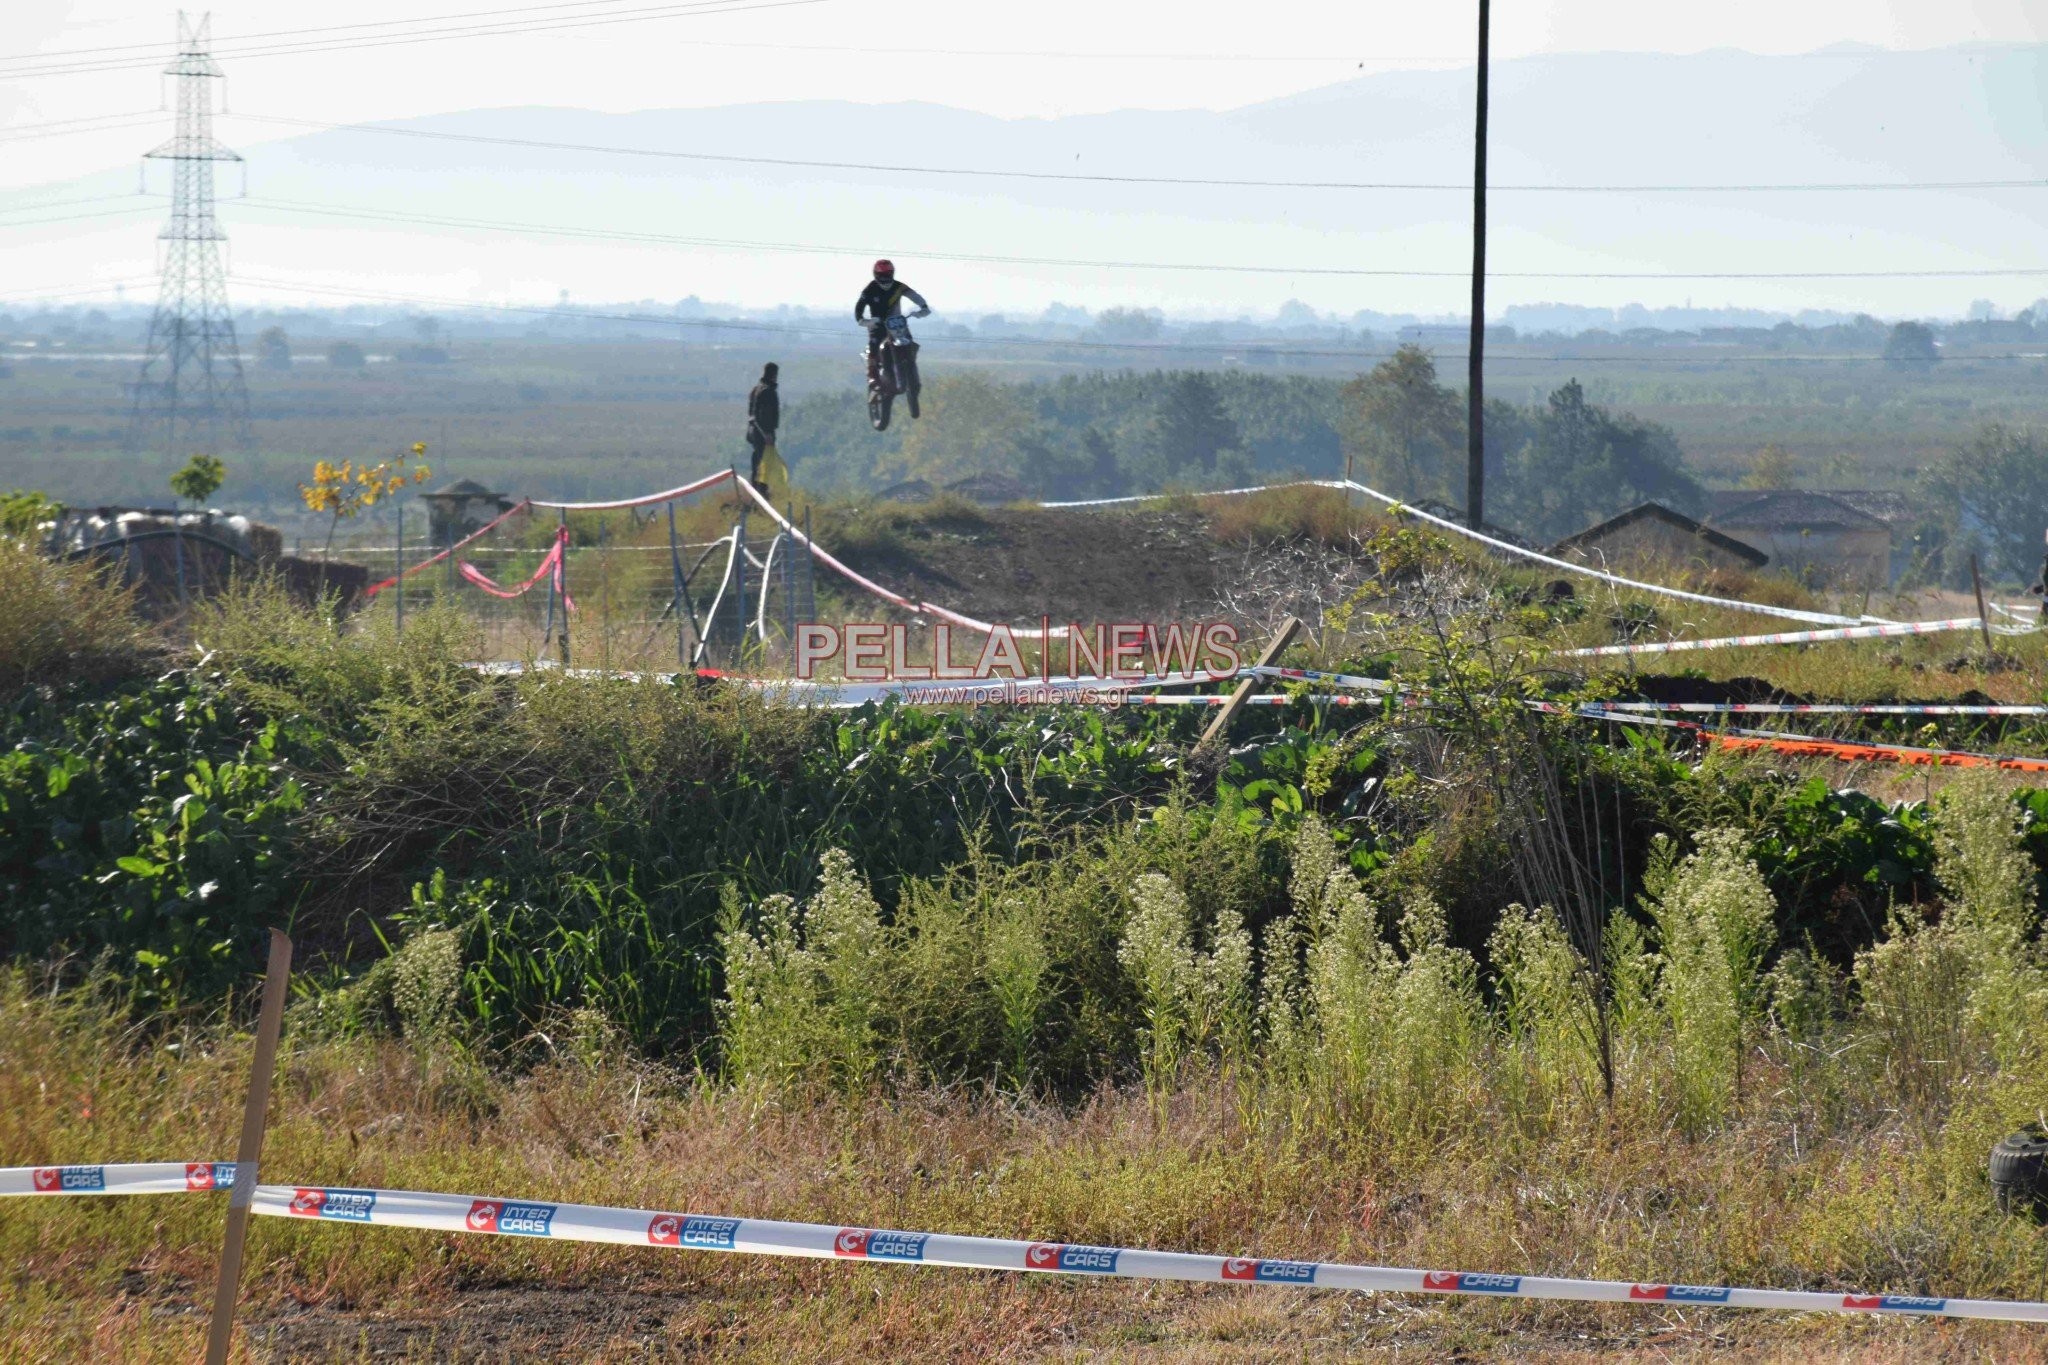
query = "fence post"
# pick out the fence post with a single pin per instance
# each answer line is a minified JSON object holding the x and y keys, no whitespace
{"x":789,"y":587}
{"x":562,"y":573}
{"x":739,"y":592}
{"x":810,"y":572}
{"x":1228,"y":712}
{"x":269,"y":1021}
{"x":1983,"y":616}
{"x":398,"y":567}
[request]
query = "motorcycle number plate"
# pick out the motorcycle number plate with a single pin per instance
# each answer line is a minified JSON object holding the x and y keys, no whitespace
{"x":897,"y":324}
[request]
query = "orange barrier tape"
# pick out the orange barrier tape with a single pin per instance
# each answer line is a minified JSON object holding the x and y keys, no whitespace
{"x":1875,"y":753}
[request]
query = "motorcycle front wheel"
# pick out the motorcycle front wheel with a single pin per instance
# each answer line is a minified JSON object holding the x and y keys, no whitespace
{"x":878,"y":410}
{"x":912,"y":384}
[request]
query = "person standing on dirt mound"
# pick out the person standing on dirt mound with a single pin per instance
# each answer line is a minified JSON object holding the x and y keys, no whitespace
{"x":764,"y":415}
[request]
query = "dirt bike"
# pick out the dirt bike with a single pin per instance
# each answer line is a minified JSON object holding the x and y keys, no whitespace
{"x":892,"y":368}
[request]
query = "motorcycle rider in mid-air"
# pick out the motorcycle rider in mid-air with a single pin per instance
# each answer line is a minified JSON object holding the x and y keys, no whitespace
{"x":883,"y":298}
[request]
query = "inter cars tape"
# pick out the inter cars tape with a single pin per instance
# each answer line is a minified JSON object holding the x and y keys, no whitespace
{"x":536,"y":1218}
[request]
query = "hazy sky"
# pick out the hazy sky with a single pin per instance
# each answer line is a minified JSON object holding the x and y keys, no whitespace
{"x":1146,"y":54}
{"x":1065,"y":57}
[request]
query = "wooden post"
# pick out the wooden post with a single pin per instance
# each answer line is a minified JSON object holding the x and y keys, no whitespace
{"x":398,"y":569}
{"x":1228,"y":712}
{"x":1475,"y":398}
{"x":1983,"y":616}
{"x":269,"y":1020}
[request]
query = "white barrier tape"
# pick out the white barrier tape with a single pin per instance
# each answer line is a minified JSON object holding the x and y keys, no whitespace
{"x":821,"y":1241}
{"x":694,"y":486}
{"x":1797,"y":708}
{"x":1789,"y":613}
{"x":135,"y":1177}
{"x":1783,"y":637}
{"x":1317,"y":675}
{"x":1400,"y":508}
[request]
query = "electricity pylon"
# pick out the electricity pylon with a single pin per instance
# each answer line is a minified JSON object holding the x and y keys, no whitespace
{"x":190,"y":394}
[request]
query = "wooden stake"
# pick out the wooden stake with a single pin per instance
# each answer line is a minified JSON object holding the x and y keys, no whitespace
{"x":1983,"y":617}
{"x":1228,"y":712}
{"x":268,"y":1023}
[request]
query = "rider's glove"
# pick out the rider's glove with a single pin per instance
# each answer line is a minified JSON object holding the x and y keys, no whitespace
{"x":922,"y":313}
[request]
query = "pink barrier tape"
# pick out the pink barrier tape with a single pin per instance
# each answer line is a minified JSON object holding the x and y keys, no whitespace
{"x":694,"y":486}
{"x":473,"y":1215}
{"x":551,"y":564}
{"x":472,"y":537}
{"x":1783,"y":637}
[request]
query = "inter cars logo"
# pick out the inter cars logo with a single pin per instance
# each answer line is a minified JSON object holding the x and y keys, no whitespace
{"x":665,"y":1230}
{"x":1062,"y":1256}
{"x":352,"y":1205}
{"x":1677,"y":1293}
{"x":46,"y":1179}
{"x":513,"y":1220}
{"x":850,"y":1242}
{"x":209,"y":1175}
{"x":712,"y":1233}
{"x":1465,"y":1282}
{"x":68,"y":1179}
{"x":1270,"y":1272}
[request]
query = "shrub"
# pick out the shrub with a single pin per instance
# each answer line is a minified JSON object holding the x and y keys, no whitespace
{"x":1714,"y":919}
{"x":63,"y":624}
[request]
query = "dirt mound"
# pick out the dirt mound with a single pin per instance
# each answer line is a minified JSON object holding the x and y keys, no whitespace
{"x":1012,"y":565}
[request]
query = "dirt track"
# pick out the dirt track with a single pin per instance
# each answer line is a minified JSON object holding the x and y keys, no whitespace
{"x":1079,"y":565}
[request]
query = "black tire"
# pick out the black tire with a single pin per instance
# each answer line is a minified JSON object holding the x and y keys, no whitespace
{"x":912,"y":384}
{"x":2019,"y":1172}
{"x":878,"y":410}
{"x":910,"y":397}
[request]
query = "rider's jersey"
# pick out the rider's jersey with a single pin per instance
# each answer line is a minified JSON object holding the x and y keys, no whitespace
{"x":886,"y":300}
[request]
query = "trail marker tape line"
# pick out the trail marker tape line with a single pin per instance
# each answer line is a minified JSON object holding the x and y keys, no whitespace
{"x":1823,"y":708}
{"x":459,"y":1213}
{"x":1786,"y":637}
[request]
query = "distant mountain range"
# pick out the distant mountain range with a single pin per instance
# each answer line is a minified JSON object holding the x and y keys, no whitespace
{"x":1720,"y":118}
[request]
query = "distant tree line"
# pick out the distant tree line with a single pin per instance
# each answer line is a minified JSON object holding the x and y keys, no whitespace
{"x":1551,"y":470}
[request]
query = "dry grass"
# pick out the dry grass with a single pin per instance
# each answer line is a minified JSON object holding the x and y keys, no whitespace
{"x":63,"y":623}
{"x":1218,"y":1168}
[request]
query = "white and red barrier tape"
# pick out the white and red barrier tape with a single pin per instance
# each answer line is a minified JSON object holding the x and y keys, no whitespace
{"x":459,"y":1213}
{"x":1823,"y":708}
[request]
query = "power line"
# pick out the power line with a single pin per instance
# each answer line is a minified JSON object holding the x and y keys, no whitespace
{"x":892,"y":168}
{"x":77,"y":217}
{"x":410,"y":219}
{"x":126,"y":121}
{"x":12,"y":129}
{"x":156,"y":48}
{"x":67,"y":203}
{"x":694,"y":10}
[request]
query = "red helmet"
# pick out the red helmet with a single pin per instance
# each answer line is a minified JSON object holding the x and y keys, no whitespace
{"x":885,"y":269}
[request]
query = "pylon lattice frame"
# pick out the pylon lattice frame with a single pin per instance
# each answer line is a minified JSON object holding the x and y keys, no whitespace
{"x":190,"y":392}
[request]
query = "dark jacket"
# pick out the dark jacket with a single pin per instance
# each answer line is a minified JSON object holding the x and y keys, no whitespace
{"x":885,"y":300}
{"x":764,"y":410}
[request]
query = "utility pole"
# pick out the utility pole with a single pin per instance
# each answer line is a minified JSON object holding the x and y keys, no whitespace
{"x":1475,"y":415}
{"x":190,"y":393}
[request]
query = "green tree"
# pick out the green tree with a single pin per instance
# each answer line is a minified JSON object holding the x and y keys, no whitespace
{"x":1582,"y":462}
{"x":1997,"y":483}
{"x":1399,"y":429}
{"x":971,"y":425}
{"x":1190,"y":426}
{"x":1770,"y":467}
{"x":200,"y":479}
{"x":1911,"y":347}
{"x":274,"y":349}
{"x":346,"y":355}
